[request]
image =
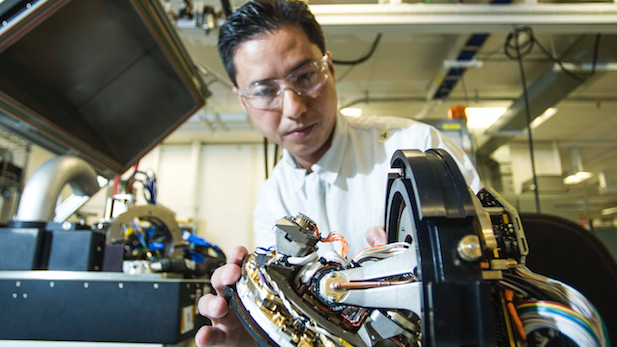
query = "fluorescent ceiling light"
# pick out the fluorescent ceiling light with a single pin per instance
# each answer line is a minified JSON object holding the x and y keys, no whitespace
{"x":577,"y":177}
{"x":607,"y":211}
{"x":483,"y":117}
{"x":543,"y":117}
{"x":572,"y":179}
{"x":351,"y":112}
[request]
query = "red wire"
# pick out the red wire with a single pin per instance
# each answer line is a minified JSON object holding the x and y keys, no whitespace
{"x":114,"y":190}
{"x":130,"y":185}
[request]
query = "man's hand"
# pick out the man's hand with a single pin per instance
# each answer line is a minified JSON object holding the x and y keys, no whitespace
{"x":226,"y":329}
{"x":376,"y":236}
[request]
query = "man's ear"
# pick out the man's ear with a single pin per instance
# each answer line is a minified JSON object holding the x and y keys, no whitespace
{"x":331,"y":66}
{"x":235,"y":90}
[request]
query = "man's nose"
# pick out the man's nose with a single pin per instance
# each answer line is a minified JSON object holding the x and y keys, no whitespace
{"x":293,"y":104}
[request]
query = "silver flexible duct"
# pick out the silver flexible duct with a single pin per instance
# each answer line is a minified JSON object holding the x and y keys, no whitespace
{"x":40,"y":195}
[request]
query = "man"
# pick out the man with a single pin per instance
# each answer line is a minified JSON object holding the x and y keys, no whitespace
{"x":333,"y":169}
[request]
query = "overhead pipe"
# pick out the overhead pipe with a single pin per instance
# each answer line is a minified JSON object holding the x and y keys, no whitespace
{"x":40,"y":195}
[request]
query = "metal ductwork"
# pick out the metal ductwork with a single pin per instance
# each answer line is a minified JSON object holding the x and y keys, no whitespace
{"x":546,"y":91}
{"x":38,"y":201}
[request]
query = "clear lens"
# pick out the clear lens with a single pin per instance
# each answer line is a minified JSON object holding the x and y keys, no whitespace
{"x":306,"y":80}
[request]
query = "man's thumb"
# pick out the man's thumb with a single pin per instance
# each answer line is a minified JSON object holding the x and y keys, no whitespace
{"x":376,"y":236}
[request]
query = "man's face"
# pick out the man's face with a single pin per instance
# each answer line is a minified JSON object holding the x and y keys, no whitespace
{"x":302,"y":123}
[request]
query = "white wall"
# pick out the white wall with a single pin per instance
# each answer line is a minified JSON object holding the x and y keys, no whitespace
{"x":220,"y":196}
{"x":213,"y":185}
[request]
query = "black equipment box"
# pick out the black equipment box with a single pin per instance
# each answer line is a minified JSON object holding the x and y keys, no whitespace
{"x":99,"y":307}
{"x":24,"y":248}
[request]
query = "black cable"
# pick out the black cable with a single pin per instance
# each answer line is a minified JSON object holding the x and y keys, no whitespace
{"x":528,"y":46}
{"x":363,"y":59}
{"x":266,"y":155}
{"x":524,"y":49}
{"x":533,"y":41}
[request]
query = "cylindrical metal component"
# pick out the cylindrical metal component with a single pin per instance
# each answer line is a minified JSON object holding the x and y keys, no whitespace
{"x":40,"y":195}
{"x":469,"y":248}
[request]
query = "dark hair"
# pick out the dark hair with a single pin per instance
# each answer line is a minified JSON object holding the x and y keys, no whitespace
{"x":257,"y":17}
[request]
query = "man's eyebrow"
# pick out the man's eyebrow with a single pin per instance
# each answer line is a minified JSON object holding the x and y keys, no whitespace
{"x":296,"y":67}
{"x":300,"y":64}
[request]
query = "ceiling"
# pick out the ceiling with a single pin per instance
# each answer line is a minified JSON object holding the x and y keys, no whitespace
{"x":406,"y":65}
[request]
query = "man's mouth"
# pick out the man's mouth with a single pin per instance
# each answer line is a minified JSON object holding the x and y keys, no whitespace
{"x":301,"y":132}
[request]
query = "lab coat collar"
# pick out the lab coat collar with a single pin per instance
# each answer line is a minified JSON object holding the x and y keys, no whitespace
{"x":329,"y":166}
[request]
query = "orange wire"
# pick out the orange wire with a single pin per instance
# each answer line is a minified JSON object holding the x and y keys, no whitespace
{"x":317,"y":232}
{"x":517,"y":321}
{"x":335,"y":236}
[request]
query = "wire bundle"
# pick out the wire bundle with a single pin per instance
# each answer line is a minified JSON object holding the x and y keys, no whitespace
{"x":149,"y":184}
{"x":547,"y":314}
{"x":381,"y":251}
{"x":336,"y":236}
{"x":545,"y":303}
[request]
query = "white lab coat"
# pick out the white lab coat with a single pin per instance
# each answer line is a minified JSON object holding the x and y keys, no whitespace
{"x":346,"y":190}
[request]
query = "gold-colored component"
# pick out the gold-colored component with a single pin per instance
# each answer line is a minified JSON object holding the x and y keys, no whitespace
{"x":506,"y":220}
{"x":499,"y":264}
{"x":279,"y":320}
{"x":496,"y":253}
{"x":512,"y":264}
{"x":304,"y":221}
{"x":326,"y":341}
{"x":327,"y":286}
{"x":492,"y":275}
{"x":306,"y":341}
{"x":344,"y":343}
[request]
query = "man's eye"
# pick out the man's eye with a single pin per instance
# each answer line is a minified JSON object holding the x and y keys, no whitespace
{"x":263,"y":91}
{"x":306,"y":78}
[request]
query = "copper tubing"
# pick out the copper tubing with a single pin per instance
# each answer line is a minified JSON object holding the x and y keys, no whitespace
{"x":366,"y":284}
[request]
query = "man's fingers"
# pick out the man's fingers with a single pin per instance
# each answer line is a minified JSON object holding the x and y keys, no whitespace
{"x":210,"y":336}
{"x":376,"y":236}
{"x":212,"y":306}
{"x":224,"y":276}
{"x":237,"y":255}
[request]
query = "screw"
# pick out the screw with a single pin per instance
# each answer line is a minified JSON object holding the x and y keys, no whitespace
{"x":25,"y":296}
{"x":333,"y":298}
{"x":86,"y":284}
{"x":18,"y":284}
{"x":156,"y":286}
{"x":98,"y":249}
{"x":332,"y":274}
{"x":120,"y":285}
{"x":52,"y":284}
{"x":14,"y":295}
